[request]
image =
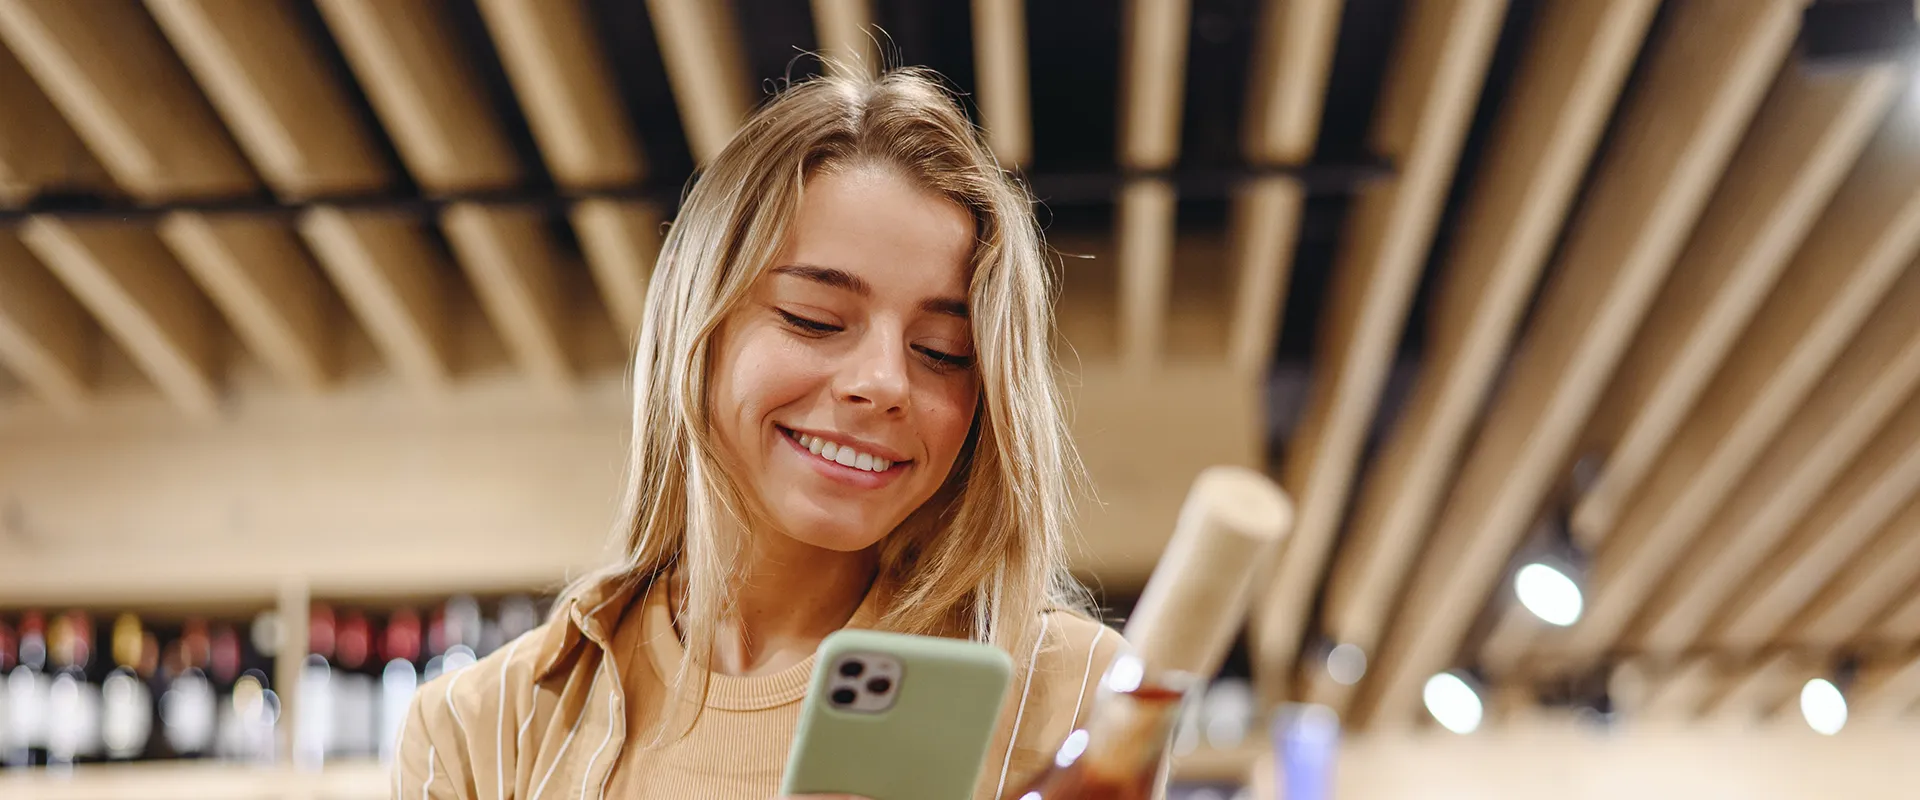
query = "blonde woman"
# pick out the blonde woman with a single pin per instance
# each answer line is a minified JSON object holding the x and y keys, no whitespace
{"x":845,"y":414}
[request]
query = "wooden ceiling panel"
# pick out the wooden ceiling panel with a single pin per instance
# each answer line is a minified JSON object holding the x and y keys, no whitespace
{"x":1264,"y":229}
{"x":45,"y":337}
{"x":1900,"y":623}
{"x":1756,"y":692}
{"x":256,"y":270}
{"x":1867,"y":387}
{"x":1436,"y":75}
{"x":566,"y":87}
{"x":1680,"y":693}
{"x":1808,"y":133}
{"x":1000,"y":66}
{"x":512,"y":261}
{"x":701,"y":47}
{"x":1144,"y":228}
{"x":1821,"y":301}
{"x":277,"y":93}
{"x":1885,"y":690}
{"x":847,"y":37}
{"x":124,"y":275}
{"x":621,"y":241}
{"x":1879,"y":576}
{"x":1288,"y":84}
{"x":1699,"y":91}
{"x":39,"y":152}
{"x":1153,"y":71}
{"x":389,"y":271}
{"x":426,"y":94}
{"x":1568,"y":82}
{"x":113,"y":76}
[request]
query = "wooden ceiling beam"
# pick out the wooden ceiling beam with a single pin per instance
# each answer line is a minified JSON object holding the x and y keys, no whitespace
{"x":428,"y":97}
{"x":1264,"y":228}
{"x":39,"y":152}
{"x":1000,"y":66}
{"x":1885,"y":690}
{"x":1808,"y":133}
{"x":565,"y":85}
{"x":1855,"y":509}
{"x":390,"y":273}
{"x":1153,"y":73}
{"x":114,"y":77}
{"x":1144,"y":226}
{"x":1756,"y":692}
{"x":1679,"y":694}
{"x":1435,"y":75}
{"x":259,"y":274}
{"x":45,"y":337}
{"x":511,"y":259}
{"x":844,"y":28}
{"x":1574,"y":67}
{"x":125,"y":276}
{"x":701,"y":47}
{"x":620,"y":241}
{"x":1858,"y":252}
{"x":277,"y":93}
{"x":1879,"y":576}
{"x":1699,"y":89}
{"x":1901,"y":623}
{"x":1867,"y":388}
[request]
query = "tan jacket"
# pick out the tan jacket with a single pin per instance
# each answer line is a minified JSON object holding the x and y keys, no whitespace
{"x":566,"y":711}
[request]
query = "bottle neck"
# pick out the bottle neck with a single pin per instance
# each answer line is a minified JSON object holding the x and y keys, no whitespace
{"x":1134,"y":718}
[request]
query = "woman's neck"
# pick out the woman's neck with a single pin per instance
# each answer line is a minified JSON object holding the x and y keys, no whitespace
{"x":793,"y":595}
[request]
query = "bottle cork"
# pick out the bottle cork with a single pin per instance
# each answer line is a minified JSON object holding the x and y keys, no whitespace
{"x":1197,"y":596}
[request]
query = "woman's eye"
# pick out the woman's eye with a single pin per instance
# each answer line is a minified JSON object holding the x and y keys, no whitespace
{"x":946,"y":359}
{"x":807,"y":325}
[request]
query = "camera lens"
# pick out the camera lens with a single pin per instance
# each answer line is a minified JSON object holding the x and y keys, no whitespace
{"x":879,"y":685}
{"x":852,"y":669}
{"x":844,"y":697}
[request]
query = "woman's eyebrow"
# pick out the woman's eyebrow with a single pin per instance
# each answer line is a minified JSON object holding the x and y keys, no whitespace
{"x":951,"y":306}
{"x":836,"y":278}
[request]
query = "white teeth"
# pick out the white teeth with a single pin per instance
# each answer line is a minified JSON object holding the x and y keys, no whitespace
{"x":841,"y":454}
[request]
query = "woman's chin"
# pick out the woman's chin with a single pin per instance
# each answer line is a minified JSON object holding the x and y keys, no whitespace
{"x":837,"y":536}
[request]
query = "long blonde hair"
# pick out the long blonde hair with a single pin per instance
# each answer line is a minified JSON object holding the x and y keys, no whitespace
{"x":986,"y":556}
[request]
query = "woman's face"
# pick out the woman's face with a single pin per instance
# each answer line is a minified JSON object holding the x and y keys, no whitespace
{"x":844,"y":386}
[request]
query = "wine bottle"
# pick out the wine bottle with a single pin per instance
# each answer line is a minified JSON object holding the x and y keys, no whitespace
{"x":1183,"y":626}
{"x":9,"y":645}
{"x":398,"y":679}
{"x":188,"y":706}
{"x":27,"y":688}
{"x":313,"y":725}
{"x":354,"y":702}
{"x":126,"y":702}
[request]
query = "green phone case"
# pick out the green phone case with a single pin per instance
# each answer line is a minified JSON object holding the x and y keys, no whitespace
{"x":929,"y":745}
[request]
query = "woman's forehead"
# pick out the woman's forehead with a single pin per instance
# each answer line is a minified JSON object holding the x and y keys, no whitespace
{"x":875,"y":225}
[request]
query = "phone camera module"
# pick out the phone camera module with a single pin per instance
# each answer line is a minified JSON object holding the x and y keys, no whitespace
{"x":845,"y":697}
{"x":851,"y":668}
{"x":879,"y":686}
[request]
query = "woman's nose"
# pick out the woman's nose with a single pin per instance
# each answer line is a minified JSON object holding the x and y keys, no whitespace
{"x":876,"y":374}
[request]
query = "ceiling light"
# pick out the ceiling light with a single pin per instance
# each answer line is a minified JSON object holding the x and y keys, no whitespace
{"x":1453,"y":702}
{"x":1549,"y":593}
{"x":1823,"y":706}
{"x":1346,"y":664}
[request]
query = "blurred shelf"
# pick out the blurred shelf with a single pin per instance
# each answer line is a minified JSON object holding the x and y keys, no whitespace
{"x":347,"y":780}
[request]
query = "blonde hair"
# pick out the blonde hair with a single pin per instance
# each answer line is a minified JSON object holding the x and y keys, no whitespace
{"x":1011,"y":491}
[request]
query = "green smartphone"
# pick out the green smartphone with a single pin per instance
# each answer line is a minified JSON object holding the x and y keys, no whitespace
{"x":891,"y":716}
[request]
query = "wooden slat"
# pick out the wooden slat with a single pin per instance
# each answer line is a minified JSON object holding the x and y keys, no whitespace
{"x":1870,"y":384}
{"x":45,"y":337}
{"x":1288,"y":83}
{"x":566,"y":87}
{"x":1878,"y":577}
{"x":621,"y":241}
{"x":126,"y":277}
{"x":845,"y":28}
{"x":1754,"y":693}
{"x":1811,"y":129}
{"x":1575,"y":64}
{"x":1885,"y":690}
{"x":39,"y":152}
{"x":260,"y":276}
{"x":510,"y":258}
{"x":1000,"y":67}
{"x":1854,"y":510}
{"x":390,"y":274}
{"x":701,"y":48}
{"x":1436,"y":74}
{"x":1680,"y":693}
{"x":112,"y":75}
{"x":1902,"y":623}
{"x":1504,"y":650}
{"x":426,"y":94}
{"x":1153,"y":67}
{"x":279,"y":97}
{"x":1701,"y":86}
{"x":1266,"y":222}
{"x":1822,"y":300}
{"x":1144,"y":226}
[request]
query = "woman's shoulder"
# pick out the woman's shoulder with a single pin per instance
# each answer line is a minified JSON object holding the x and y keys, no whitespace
{"x":1066,"y":670}
{"x":458,"y":705}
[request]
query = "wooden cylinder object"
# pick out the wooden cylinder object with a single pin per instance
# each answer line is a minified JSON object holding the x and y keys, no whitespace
{"x":1197,"y":596}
